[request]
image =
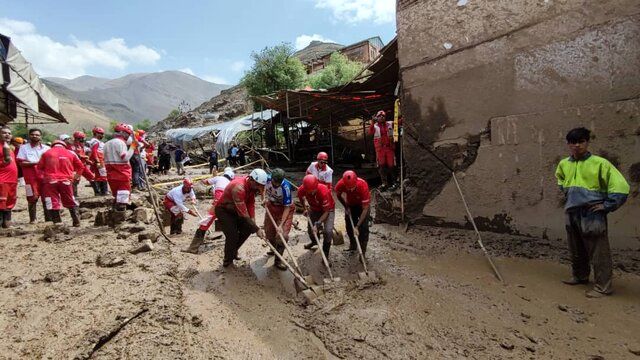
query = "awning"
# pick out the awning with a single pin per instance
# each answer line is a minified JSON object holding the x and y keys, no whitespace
{"x":226,"y":131}
{"x":22,"y":83}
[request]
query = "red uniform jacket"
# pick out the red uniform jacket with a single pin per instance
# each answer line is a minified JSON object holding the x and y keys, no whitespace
{"x":359,"y":196}
{"x":320,"y":201}
{"x":59,"y":164}
{"x":8,"y":172}
{"x":238,"y":196}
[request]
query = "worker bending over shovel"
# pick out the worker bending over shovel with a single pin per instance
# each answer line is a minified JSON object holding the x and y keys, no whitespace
{"x":320,"y":209}
{"x":219,"y":183}
{"x":353,"y":194}
{"x":174,"y":203}
{"x":279,"y":203}
{"x":236,"y":211}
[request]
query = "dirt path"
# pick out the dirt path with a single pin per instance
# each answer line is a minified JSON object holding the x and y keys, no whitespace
{"x":439,"y":299}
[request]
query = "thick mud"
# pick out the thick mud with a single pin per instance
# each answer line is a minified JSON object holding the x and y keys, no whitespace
{"x":437,"y":299}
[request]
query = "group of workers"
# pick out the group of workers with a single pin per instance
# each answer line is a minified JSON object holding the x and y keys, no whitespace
{"x":234,"y":206}
{"x":592,"y":185}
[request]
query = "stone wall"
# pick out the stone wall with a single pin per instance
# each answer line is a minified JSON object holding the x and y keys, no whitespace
{"x":494,"y":86}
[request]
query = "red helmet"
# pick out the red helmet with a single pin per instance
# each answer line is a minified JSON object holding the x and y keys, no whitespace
{"x":322,"y":156}
{"x":97,"y":130}
{"x":350,"y":179}
{"x":141,"y":132}
{"x":123,"y":128}
{"x":79,"y":135}
{"x":58,"y":142}
{"x":187,"y":182}
{"x":310,"y":182}
{"x":381,"y":113}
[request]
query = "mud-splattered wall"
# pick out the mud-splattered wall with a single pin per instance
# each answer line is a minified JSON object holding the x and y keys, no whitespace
{"x":495,"y":85}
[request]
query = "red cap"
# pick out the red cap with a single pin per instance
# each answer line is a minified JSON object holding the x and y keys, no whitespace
{"x":310,"y":182}
{"x":350,"y":179}
{"x":322,"y":156}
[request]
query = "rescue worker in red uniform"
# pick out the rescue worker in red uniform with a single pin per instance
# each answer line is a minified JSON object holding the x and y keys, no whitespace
{"x":353,"y":194}
{"x":236,"y":211}
{"x":218,"y":184}
{"x":117,"y":154}
{"x":8,"y":177}
{"x":78,"y":148}
{"x":321,"y":170}
{"x":382,"y":132}
{"x":28,"y":157}
{"x":320,"y":207}
{"x":174,"y":202}
{"x":58,"y":166}
{"x":96,"y":159}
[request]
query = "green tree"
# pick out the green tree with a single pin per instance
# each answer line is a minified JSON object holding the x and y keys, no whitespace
{"x":143,"y":125}
{"x":173,"y":114}
{"x":21,"y":130}
{"x":338,"y":71}
{"x":274,"y":68}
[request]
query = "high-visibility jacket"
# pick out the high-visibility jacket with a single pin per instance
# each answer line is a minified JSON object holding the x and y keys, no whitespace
{"x":591,"y":180}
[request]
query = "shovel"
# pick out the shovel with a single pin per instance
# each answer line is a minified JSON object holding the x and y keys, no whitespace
{"x":307,"y":278}
{"x":368,"y":276}
{"x":310,"y":292}
{"x":324,"y":258}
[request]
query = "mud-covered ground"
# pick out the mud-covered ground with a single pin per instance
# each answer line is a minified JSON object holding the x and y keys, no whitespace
{"x":438,"y":298}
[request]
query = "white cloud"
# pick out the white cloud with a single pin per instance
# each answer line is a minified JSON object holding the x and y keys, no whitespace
{"x":355,"y":11}
{"x":303,"y":40}
{"x":53,"y":58}
{"x":238,"y":66}
{"x":187,"y":71}
{"x":215,"y":79}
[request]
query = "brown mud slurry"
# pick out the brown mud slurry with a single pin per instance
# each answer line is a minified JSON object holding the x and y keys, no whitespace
{"x":438,"y":299}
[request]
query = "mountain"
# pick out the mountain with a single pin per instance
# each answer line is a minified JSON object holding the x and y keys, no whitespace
{"x":134,"y":97}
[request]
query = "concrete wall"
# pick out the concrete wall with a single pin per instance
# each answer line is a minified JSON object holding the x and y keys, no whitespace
{"x":495,"y":86}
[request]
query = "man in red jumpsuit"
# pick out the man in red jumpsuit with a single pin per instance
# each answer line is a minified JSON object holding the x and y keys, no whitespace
{"x":60,"y":168}
{"x":8,"y":177}
{"x":96,"y":159}
{"x":353,"y":194}
{"x":382,"y":132}
{"x":117,"y":154}
{"x":236,"y":212}
{"x":28,"y":157}
{"x":78,"y":147}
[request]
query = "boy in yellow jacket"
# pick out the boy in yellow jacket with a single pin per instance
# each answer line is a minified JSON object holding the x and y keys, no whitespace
{"x":593,"y":188}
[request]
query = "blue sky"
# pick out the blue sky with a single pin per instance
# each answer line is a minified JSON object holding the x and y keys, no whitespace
{"x":211,"y":39}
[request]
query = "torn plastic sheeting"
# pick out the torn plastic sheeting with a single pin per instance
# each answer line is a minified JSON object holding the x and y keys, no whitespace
{"x":226,"y":131}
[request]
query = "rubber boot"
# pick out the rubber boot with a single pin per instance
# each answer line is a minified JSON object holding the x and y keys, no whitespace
{"x":277,"y":263}
{"x":74,"y":216}
{"x":47,"y":216}
{"x":32,"y":212}
{"x":94,"y":186}
{"x":75,"y":188}
{"x":55,"y":216}
{"x":198,"y":239}
{"x":118,"y":214}
{"x":179,"y":222}
{"x":7,"y":219}
{"x":2,"y":221}
{"x":104,"y":188}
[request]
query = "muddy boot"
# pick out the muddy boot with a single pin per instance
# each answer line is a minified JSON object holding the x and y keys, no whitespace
{"x":179,"y":222}
{"x":32,"y":212}
{"x":47,"y":216}
{"x":104,"y":188}
{"x":198,"y":239}
{"x":55,"y":216}
{"x":94,"y":186}
{"x":74,"y":216}
{"x":118,"y":214}
{"x":277,"y":263}
{"x":6,"y":219}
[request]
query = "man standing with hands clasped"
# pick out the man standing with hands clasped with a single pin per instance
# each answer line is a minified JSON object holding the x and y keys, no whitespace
{"x":593,"y":187}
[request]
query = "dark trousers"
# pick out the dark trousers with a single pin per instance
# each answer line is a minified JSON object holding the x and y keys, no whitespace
{"x":589,"y":246}
{"x":164,"y":162}
{"x":327,"y":230}
{"x":363,"y":238}
{"x":136,"y":171}
{"x":236,"y":231}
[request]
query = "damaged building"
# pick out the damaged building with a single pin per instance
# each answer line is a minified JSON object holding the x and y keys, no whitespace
{"x":493,"y":87}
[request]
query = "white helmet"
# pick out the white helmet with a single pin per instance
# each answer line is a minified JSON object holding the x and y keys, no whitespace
{"x":229,"y":173}
{"x":260,"y":176}
{"x":64,"y":137}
